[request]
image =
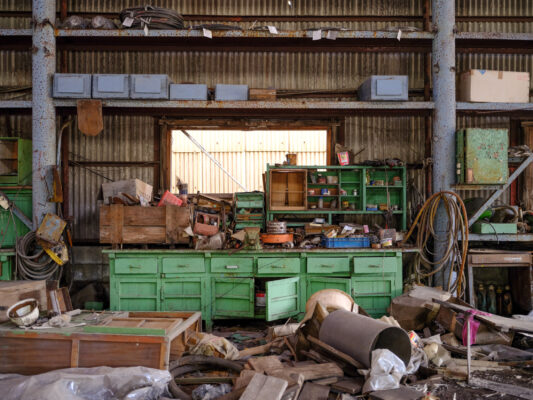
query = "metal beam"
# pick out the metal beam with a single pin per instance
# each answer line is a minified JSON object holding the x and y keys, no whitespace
{"x":444,"y":121}
{"x":212,"y":158}
{"x":43,"y":112}
{"x":502,"y":189}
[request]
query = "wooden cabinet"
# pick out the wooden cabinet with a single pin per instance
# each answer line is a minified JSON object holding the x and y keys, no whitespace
{"x":224,"y":285}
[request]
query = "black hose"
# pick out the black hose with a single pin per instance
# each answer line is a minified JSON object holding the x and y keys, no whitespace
{"x":33,"y":264}
{"x":152,"y":17}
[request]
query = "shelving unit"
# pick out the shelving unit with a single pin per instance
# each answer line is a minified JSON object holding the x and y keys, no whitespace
{"x":349,"y":179}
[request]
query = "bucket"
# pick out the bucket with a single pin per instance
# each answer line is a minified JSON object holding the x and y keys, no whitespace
{"x":260,"y":300}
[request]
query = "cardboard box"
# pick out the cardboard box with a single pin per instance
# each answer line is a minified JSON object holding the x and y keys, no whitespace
{"x":493,"y":86}
{"x":133,"y":187}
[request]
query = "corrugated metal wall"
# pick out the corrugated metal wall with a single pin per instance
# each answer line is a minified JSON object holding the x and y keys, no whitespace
{"x":130,"y":138}
{"x":244,"y":154}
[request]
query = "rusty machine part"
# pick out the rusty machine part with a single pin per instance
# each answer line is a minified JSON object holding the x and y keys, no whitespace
{"x":276,"y":227}
{"x":357,"y":336}
{"x":275,"y":238}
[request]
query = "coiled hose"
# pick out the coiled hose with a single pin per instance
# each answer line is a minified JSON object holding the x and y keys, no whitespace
{"x":152,"y":17}
{"x":36,"y":266}
{"x":457,"y":229}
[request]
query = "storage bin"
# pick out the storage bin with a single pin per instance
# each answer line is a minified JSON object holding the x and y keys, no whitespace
{"x":72,"y":86}
{"x":345,"y":243}
{"x":111,"y":86}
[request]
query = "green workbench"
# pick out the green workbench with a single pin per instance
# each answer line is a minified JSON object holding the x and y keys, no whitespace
{"x":223,"y":284}
{"x":7,"y":258}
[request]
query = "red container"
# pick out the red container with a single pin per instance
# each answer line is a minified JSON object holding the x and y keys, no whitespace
{"x":170,"y":199}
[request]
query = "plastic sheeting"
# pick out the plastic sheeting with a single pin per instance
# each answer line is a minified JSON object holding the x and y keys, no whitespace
{"x":101,"y":383}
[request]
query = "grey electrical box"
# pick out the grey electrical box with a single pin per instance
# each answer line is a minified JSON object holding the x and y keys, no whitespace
{"x":111,"y":86}
{"x":149,"y":86}
{"x":188,"y":92}
{"x":72,"y":86}
{"x":231,"y":92}
{"x":385,"y":87}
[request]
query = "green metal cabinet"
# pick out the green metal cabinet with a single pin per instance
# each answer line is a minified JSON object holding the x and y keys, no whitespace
{"x":223,"y":285}
{"x":6,"y":265}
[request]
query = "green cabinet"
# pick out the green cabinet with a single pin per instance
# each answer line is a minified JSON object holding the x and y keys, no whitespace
{"x":11,"y":227}
{"x":6,"y":265}
{"x":282,"y":298}
{"x":233,"y":297}
{"x":182,"y":293}
{"x":223,"y":285}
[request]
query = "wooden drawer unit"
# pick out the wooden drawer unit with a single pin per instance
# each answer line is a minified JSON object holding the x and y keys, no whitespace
{"x":181,"y":265}
{"x":234,"y":265}
{"x":138,"y":265}
{"x":375,"y":265}
{"x":136,"y":294}
{"x":233,"y":297}
{"x":182,"y":294}
{"x":328,"y":265}
{"x":278,"y":265}
{"x":374,"y":293}
{"x":317,"y":283}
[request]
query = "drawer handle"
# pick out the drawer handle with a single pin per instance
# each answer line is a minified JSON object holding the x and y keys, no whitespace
{"x":279,"y":266}
{"x":327,"y":266}
{"x":181,"y":266}
{"x":135,"y":266}
{"x":232,"y":267}
{"x":374,"y":266}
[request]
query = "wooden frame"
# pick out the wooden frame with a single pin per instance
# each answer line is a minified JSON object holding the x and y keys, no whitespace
{"x":292,"y":192}
{"x":33,"y":352}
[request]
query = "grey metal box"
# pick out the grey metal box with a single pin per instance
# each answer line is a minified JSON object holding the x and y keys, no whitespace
{"x":188,"y":92}
{"x":385,"y":87}
{"x":111,"y":86}
{"x":149,"y":86}
{"x":72,"y":86}
{"x":231,"y":92}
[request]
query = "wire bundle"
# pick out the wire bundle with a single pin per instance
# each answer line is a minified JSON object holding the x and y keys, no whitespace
{"x":36,"y":266}
{"x":152,"y":17}
{"x":457,"y":228}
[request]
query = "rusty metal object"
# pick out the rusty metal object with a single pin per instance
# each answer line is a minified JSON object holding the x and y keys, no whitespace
{"x":357,"y":336}
{"x":51,"y":229}
{"x":277,"y":238}
{"x":276,"y":227}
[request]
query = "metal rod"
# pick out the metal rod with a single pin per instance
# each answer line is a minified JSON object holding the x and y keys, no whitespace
{"x":499,"y":192}
{"x":217,"y":163}
{"x":468,"y":348}
{"x":43,"y":110}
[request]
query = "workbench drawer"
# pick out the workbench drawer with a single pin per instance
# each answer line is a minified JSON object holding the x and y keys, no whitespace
{"x":249,"y":204}
{"x":136,"y":266}
{"x":278,"y":265}
{"x":328,"y":265}
{"x":235,"y":265}
{"x":183,"y":264}
{"x":375,"y":265}
{"x":374,"y":294}
{"x":232,"y":297}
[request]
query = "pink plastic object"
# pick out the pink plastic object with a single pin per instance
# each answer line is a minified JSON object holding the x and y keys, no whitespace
{"x":169,"y":199}
{"x":365,"y":229}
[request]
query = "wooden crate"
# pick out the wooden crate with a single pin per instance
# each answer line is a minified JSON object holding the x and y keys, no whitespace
{"x":288,"y":189}
{"x":14,"y":291}
{"x":144,"y":225}
{"x":118,"y":341}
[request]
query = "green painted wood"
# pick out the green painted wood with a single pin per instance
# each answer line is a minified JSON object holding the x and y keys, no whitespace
{"x":135,"y":266}
{"x":182,"y":265}
{"x":282,"y":298}
{"x":137,"y":294}
{"x":328,"y":265}
{"x":22,"y":176}
{"x":116,"y":330}
{"x":278,"y":265}
{"x":6,"y":263}
{"x":315,"y":284}
{"x":183,"y":293}
{"x":232,"y":265}
{"x":375,"y":265}
{"x":373,"y":293}
{"x":11,"y":227}
{"x":233,"y":297}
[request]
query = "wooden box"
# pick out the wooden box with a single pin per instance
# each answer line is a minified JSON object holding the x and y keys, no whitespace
{"x":288,"y":189}
{"x":124,"y":339}
{"x":14,"y":291}
{"x":144,"y":225}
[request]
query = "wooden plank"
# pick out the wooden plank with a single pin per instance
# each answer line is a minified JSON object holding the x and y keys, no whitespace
{"x":140,"y":216}
{"x":402,"y":393}
{"x":75,"y":353}
{"x":312,"y":391}
{"x":334,"y":352}
{"x":143,"y":234}
{"x":263,"y":387}
{"x":512,"y":390}
{"x":12,"y":292}
{"x":350,"y":386}
{"x":265,"y":364}
{"x":312,"y":372}
{"x":117,"y":223}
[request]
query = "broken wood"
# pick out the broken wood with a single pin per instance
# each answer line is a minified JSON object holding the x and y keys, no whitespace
{"x":512,"y":390}
{"x":402,"y":393}
{"x":254,"y":351}
{"x":264,"y":387}
{"x":350,"y":386}
{"x":334,"y":352}
{"x":312,"y":372}
{"x":312,"y":391}
{"x":265,"y":364}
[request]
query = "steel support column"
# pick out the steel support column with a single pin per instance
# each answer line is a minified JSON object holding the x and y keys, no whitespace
{"x":444,"y":120}
{"x":43,"y":110}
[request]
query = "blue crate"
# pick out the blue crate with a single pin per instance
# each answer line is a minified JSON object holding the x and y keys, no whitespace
{"x":345,"y":243}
